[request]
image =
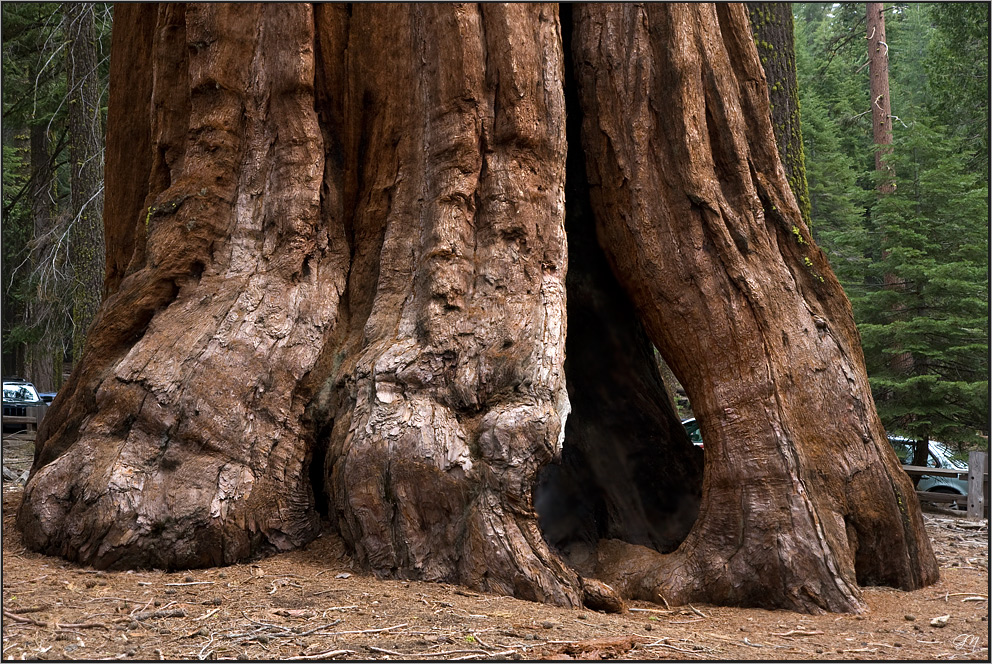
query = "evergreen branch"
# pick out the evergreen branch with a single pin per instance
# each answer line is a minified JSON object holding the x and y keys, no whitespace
{"x":28,"y":184}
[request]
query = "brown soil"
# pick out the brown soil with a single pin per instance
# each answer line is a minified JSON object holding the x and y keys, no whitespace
{"x":310,"y":605}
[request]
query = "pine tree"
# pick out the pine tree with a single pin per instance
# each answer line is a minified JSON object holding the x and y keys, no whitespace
{"x":836,"y":134}
{"x":38,"y":263}
{"x":935,"y":257}
{"x":929,"y":237}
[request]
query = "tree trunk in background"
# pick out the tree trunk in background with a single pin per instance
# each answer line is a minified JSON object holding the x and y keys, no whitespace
{"x":86,"y":247}
{"x":881,"y":108}
{"x":346,"y":294}
{"x":881,"y":119}
{"x":771,"y":23}
{"x":44,"y":355}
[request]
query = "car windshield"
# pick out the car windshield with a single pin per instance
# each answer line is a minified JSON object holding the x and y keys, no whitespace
{"x":949,"y":456}
{"x":19,"y":392}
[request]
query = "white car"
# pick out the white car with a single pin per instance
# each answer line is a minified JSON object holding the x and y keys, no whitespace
{"x":23,"y":407}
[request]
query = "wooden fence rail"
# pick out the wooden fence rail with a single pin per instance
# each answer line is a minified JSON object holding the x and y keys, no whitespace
{"x":978,"y":484}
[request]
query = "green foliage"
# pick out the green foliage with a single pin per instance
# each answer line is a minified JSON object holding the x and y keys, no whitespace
{"x":925,"y":325}
{"x":957,"y":70}
{"x":36,"y":192}
{"x":914,"y":262}
{"x":836,"y":136}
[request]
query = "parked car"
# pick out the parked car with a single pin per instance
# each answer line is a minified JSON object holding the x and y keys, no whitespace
{"x":938,"y":456}
{"x":23,"y":408}
{"x":692,"y":428}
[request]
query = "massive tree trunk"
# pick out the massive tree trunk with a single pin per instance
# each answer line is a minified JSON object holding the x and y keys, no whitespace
{"x":346,"y":295}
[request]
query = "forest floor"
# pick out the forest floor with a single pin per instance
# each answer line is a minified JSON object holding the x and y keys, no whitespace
{"x":311,"y":604}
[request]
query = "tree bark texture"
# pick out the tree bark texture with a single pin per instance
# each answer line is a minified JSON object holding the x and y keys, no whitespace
{"x":86,"y":246}
{"x":345,"y":295}
{"x":771,"y":23}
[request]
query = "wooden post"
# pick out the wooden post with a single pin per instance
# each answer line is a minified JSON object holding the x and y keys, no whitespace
{"x":978,"y":484}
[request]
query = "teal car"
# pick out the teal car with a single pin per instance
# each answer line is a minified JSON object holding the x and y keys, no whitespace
{"x":938,"y":456}
{"x":692,"y":428}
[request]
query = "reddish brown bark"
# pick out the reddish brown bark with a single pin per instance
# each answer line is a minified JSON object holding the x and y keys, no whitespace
{"x":682,"y":163}
{"x":346,"y":294}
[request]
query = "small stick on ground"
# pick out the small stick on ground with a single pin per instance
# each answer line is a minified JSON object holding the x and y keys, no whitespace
{"x":22,"y":619}
{"x":322,"y":655}
{"x":364,"y":631}
{"x":33,"y":609}
{"x":637,"y":610}
{"x":85,"y":625}
{"x":191,"y":583}
{"x":169,"y":613}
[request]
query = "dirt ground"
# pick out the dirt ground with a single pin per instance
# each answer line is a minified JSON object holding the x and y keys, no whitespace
{"x":312,"y":605}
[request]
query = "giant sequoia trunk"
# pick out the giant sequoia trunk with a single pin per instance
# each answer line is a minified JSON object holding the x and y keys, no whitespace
{"x":345,"y":293}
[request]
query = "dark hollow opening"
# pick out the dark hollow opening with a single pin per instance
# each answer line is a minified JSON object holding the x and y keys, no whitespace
{"x":627,"y":470}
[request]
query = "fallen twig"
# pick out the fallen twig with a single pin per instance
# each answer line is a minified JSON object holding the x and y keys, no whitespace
{"x":190,"y":583}
{"x":207,"y":614}
{"x":33,"y":609}
{"x":492,"y":654}
{"x":86,"y":625}
{"x":22,"y":619}
{"x":389,"y":652}
{"x":168,"y":613}
{"x":42,"y":623}
{"x":340,"y":608}
{"x":322,"y":655}
{"x":364,"y":631}
{"x":440,"y":653}
{"x":660,"y":644}
{"x":697,"y":611}
{"x":797,"y":632}
{"x":637,"y":610}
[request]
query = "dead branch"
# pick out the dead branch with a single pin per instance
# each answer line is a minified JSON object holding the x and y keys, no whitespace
{"x":476,"y":656}
{"x":649,"y":610}
{"x":62,"y":626}
{"x":660,"y":644}
{"x":364,"y":631}
{"x":22,"y":619}
{"x":34,"y":609}
{"x":191,"y":583}
{"x":85,"y":625}
{"x":322,"y":655}
{"x":207,"y":614}
{"x":169,"y":613}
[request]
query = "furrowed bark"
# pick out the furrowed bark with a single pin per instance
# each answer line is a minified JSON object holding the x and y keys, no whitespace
{"x":749,"y":316}
{"x":191,"y":453}
{"x":340,"y":291}
{"x":450,"y":395}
